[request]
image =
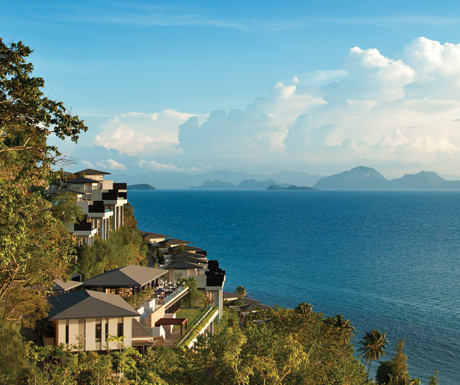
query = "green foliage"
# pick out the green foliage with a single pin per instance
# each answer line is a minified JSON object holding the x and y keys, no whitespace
{"x":286,"y":348}
{"x":65,"y":208}
{"x":34,"y":243}
{"x":433,"y":380}
{"x":194,"y":297}
{"x":136,"y":300}
{"x":373,"y":346}
{"x":241,"y":291}
{"x":197,"y":325}
{"x":14,"y":355}
{"x":394,"y":371}
{"x":27,"y":118}
{"x":342,"y":326}
{"x":124,"y":247}
{"x":34,"y":249}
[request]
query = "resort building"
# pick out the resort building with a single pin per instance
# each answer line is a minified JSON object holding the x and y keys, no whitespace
{"x":85,"y":320}
{"x":86,"y":315}
{"x":101,"y":201}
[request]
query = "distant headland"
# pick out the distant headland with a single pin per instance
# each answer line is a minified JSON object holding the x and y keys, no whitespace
{"x":358,"y":178}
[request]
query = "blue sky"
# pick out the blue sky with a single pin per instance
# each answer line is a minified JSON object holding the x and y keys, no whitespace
{"x":313,"y":86}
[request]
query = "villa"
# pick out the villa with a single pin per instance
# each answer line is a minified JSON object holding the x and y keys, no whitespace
{"x":102,"y":201}
{"x":93,"y":314}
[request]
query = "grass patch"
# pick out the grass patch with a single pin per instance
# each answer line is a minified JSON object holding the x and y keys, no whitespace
{"x":191,"y":336}
{"x":191,"y":313}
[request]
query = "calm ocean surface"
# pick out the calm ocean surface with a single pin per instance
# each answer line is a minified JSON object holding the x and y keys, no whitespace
{"x":384,"y":259}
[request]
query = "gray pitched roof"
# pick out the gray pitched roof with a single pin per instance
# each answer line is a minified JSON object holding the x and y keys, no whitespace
{"x":60,"y":285}
{"x":81,"y":180}
{"x":174,"y":241}
{"x":181,"y":265}
{"x":147,"y":235}
{"x":90,"y":171}
{"x":127,"y":276}
{"x":187,"y":254}
{"x":186,"y":248}
{"x":88,"y":304}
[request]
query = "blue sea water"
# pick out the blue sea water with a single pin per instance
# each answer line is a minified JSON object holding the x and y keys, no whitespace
{"x":387,"y":260}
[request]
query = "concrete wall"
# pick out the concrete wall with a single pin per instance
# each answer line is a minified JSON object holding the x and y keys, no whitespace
{"x":82,"y":333}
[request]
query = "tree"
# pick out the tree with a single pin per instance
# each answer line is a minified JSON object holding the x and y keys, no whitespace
{"x":373,"y":346}
{"x":241,"y":291}
{"x":34,"y":244}
{"x":27,"y":118}
{"x":304,"y":308}
{"x":193,"y":297}
{"x":342,"y":326}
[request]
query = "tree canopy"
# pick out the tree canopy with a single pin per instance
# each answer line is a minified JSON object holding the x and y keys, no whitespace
{"x":34,"y":244}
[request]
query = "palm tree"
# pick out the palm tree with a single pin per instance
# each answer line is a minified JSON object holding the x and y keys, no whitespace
{"x":304,"y":308}
{"x":342,"y":326}
{"x":241,"y":291}
{"x":373,"y":346}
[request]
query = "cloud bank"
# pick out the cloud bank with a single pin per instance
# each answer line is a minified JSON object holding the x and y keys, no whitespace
{"x":400,"y":113}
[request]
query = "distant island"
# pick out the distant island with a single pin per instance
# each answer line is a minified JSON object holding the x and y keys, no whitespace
{"x":366,"y":178}
{"x":358,"y":178}
{"x":291,"y":187}
{"x":139,"y":187}
{"x":247,"y":184}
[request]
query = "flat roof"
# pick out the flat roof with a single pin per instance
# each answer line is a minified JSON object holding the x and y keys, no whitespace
{"x":60,"y":285}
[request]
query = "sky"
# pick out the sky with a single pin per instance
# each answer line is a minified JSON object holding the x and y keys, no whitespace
{"x":260,"y":86}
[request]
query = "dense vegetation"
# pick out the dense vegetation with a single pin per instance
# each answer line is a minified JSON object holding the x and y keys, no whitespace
{"x":281,"y":346}
{"x":124,"y":247}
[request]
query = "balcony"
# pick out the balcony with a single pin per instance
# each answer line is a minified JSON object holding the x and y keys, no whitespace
{"x":120,"y":186}
{"x":114,"y":197}
{"x":84,"y":229}
{"x":98,"y":210}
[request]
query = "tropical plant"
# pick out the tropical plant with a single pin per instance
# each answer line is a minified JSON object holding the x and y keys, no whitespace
{"x":241,"y":291}
{"x":303,"y":308}
{"x":34,"y":243}
{"x":373,"y":346}
{"x":342,"y":326}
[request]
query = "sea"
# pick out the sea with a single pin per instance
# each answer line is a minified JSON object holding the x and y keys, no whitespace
{"x":387,"y":260}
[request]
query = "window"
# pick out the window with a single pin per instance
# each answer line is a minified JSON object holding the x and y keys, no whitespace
{"x":98,"y":332}
{"x":106,"y":330}
{"x":120,"y":328}
{"x":67,"y":333}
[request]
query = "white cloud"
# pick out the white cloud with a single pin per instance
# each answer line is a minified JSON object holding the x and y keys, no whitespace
{"x":139,"y":133}
{"x":375,"y":111}
{"x":111,"y":164}
{"x":87,"y":164}
{"x":155,"y":166}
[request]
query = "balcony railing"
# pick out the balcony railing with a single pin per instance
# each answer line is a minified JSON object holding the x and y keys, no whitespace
{"x":173,"y":294}
{"x":97,"y":208}
{"x":114,"y":195}
{"x":84,"y":226}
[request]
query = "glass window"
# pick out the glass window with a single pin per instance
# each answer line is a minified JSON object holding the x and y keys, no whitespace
{"x":98,"y":332}
{"x":67,"y":334}
{"x":120,"y":328}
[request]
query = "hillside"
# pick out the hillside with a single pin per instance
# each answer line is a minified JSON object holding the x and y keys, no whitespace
{"x":366,"y":178}
{"x":139,"y":187}
{"x":359,"y":178}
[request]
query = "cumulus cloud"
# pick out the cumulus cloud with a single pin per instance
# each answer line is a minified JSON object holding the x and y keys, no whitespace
{"x":376,"y":110}
{"x":87,"y":164}
{"x":140,"y":133}
{"x":156,"y":166}
{"x":111,"y":164}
